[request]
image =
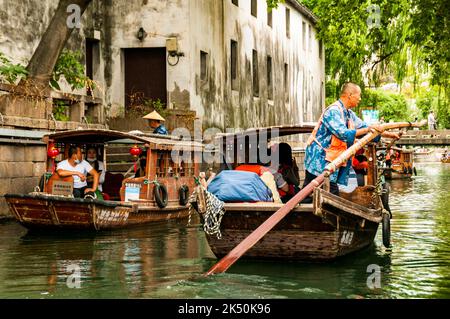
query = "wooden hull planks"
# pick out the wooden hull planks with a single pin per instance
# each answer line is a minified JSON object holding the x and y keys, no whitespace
{"x":329,"y":228}
{"x":51,"y":212}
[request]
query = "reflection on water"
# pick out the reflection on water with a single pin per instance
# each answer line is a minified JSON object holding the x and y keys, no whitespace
{"x":167,"y":260}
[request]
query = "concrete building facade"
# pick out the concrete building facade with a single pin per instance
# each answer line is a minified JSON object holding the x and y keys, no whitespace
{"x":234,"y":63}
{"x":228,"y":63}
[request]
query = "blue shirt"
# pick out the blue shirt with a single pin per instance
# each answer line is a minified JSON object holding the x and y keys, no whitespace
{"x":333,"y":123}
{"x":161,"y":130}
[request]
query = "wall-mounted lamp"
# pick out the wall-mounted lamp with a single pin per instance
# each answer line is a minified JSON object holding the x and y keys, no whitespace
{"x":141,"y":34}
{"x":172,"y":50}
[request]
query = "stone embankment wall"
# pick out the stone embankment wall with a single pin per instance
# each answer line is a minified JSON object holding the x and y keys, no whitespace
{"x":21,"y":167}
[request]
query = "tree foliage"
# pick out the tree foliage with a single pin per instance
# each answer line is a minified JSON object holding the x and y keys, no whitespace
{"x":392,"y":106}
{"x":11,"y":72}
{"x":69,"y":66}
{"x":385,"y":39}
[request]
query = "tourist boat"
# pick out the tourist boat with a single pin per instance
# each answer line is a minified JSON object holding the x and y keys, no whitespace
{"x":159,"y":193}
{"x":445,"y":159}
{"x":329,"y":227}
{"x":402,"y":165}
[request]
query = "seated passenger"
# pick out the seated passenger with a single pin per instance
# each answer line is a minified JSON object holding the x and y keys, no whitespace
{"x":267,"y":177}
{"x":141,"y":164}
{"x":285,"y":171}
{"x":91,"y":158}
{"x":360,"y":165}
{"x":78,"y":168}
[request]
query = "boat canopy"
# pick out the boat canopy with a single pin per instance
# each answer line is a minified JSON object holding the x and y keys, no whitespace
{"x":278,"y":131}
{"x":98,"y":136}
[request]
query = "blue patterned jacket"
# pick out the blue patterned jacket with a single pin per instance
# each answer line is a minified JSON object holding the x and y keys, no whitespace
{"x":161,"y":130}
{"x":333,"y":123}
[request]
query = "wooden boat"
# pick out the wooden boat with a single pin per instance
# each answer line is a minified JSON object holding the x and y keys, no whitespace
{"x":402,"y":165}
{"x":160,"y":194}
{"x":445,"y":160}
{"x":329,"y":227}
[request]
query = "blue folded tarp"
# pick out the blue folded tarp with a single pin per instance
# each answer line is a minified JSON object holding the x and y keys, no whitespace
{"x":239,"y":186}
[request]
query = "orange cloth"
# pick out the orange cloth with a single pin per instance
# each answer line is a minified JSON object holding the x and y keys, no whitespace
{"x":337,"y":147}
{"x":258,"y":169}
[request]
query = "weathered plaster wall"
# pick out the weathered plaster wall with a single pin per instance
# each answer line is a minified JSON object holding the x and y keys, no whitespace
{"x":306,"y":70}
{"x":203,"y":25}
{"x":22,"y":24}
{"x":213,"y":25}
{"x":209,"y":26}
{"x":161,"y":20}
{"x":207,"y":35}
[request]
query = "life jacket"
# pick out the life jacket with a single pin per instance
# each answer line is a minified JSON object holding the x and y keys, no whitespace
{"x":337,"y":146}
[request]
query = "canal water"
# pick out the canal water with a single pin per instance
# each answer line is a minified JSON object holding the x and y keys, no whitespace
{"x":167,"y":260}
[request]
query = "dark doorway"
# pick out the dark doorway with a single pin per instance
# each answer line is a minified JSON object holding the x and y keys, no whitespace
{"x":145,"y":75}
{"x":92,"y":60}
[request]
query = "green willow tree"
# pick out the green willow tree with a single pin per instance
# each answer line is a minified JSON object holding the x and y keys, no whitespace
{"x":376,"y":39}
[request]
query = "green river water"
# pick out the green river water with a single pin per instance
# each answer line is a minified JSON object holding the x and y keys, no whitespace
{"x":167,"y":260}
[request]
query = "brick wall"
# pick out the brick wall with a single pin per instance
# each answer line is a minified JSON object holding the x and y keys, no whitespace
{"x":21,"y":167}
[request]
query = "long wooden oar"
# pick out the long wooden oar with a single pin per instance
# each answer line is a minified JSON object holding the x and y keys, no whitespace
{"x":226,"y":262}
{"x":392,"y":142}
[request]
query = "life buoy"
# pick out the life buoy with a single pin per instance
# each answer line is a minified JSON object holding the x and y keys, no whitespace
{"x":385,"y":198}
{"x":161,"y":196}
{"x":386,"y":224}
{"x":386,"y":218}
{"x":90,"y":195}
{"x":184,"y":195}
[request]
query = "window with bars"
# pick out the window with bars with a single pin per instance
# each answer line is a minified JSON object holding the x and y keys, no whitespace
{"x":166,"y":167}
{"x":234,"y":65}
{"x":304,"y":35}
{"x":286,"y":82}
{"x":255,"y":73}
{"x":254,"y":8}
{"x":288,"y":23}
{"x":269,"y":78}
{"x":269,"y":18}
{"x":203,"y":65}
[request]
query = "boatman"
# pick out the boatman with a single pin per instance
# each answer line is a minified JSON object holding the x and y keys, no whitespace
{"x":334,"y":133}
{"x":155,"y":121}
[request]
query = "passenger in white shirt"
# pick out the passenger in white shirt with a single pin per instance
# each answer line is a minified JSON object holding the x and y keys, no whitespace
{"x":76,"y":167}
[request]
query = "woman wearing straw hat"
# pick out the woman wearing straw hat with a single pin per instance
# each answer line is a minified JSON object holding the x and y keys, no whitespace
{"x":156,"y":122}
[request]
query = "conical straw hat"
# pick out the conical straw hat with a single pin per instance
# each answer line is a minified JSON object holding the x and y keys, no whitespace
{"x":153,"y":116}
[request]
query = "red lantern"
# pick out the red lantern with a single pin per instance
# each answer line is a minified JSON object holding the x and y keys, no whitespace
{"x":52,"y":151}
{"x":135,"y":151}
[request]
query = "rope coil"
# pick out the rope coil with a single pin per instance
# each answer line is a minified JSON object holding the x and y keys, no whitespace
{"x":213,"y":215}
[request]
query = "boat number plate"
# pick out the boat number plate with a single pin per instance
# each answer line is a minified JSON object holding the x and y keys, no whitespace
{"x":347,"y":237}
